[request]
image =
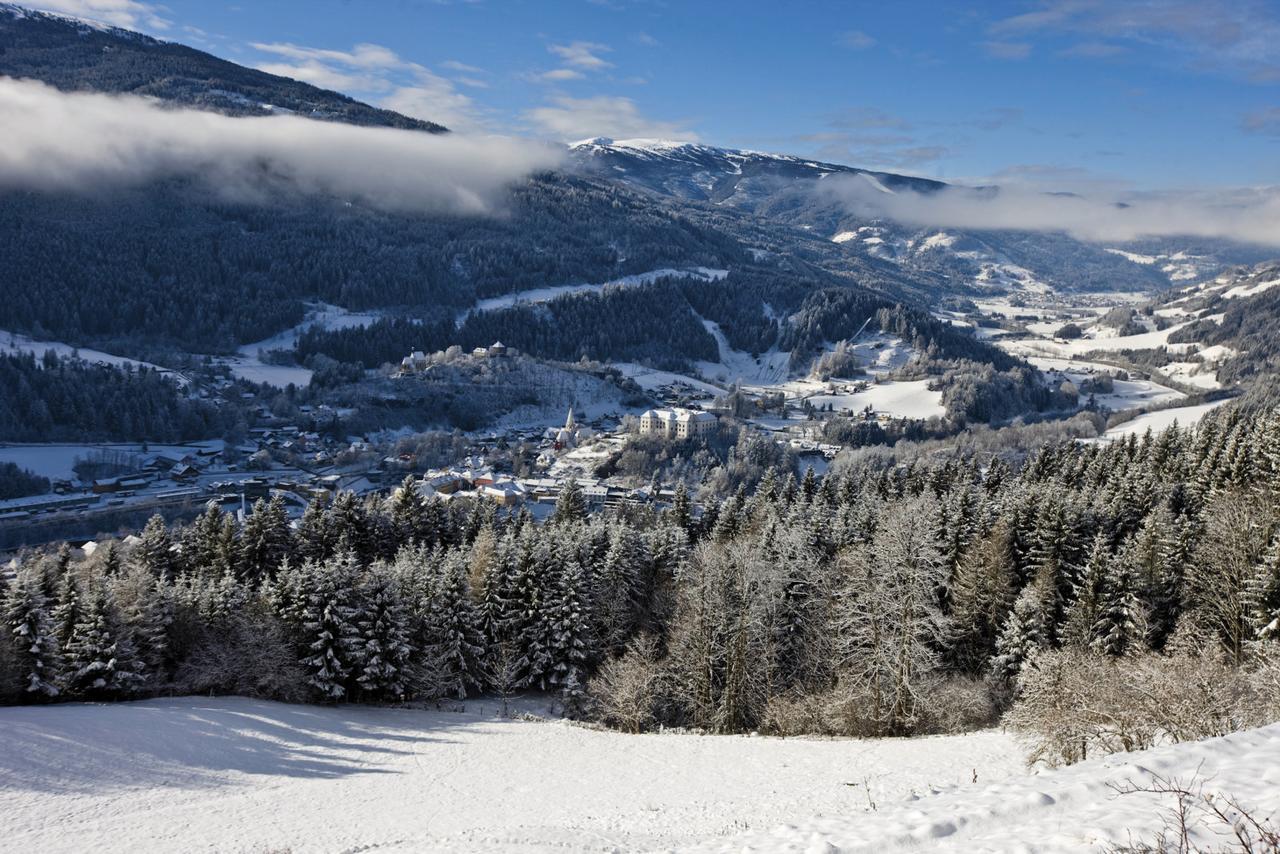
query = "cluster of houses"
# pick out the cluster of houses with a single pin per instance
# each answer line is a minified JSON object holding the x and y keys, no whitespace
{"x":418,"y":362}
{"x":506,"y":491}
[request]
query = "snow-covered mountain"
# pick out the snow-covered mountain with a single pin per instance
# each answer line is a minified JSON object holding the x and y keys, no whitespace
{"x":787,"y":189}
{"x":700,"y":172}
{"x":74,"y":54}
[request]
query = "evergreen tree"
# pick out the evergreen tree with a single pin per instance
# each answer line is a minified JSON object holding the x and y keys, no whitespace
{"x":29,"y":624}
{"x":455,"y":629}
{"x":682,"y":508}
{"x":1021,"y":636}
{"x":384,"y":653}
{"x":316,"y":541}
{"x":1116,"y":631}
{"x":331,"y":636}
{"x":266,"y":539}
{"x":570,"y":641}
{"x":1262,"y":594}
{"x":97,"y":658}
{"x":571,"y":506}
{"x":155,"y":552}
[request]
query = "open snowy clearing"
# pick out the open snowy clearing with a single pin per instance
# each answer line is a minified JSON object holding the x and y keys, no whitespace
{"x":248,"y":365}
{"x":1072,"y":809}
{"x":535,"y":295}
{"x":232,"y":774}
{"x":1185,"y":416}
{"x":12,"y":342}
{"x":57,"y":462}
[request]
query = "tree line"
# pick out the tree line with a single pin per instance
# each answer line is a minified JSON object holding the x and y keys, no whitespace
{"x":881,"y":599}
{"x":58,"y":398}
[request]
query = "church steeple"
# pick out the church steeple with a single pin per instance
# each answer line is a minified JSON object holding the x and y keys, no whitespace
{"x":569,"y":423}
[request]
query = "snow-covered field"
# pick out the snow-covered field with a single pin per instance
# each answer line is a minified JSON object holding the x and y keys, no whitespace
{"x":12,"y":342}
{"x":232,"y":774}
{"x":56,"y":462}
{"x":906,"y":399}
{"x":535,"y":295}
{"x":1068,"y":810}
{"x":1185,"y":416}
{"x":248,"y":365}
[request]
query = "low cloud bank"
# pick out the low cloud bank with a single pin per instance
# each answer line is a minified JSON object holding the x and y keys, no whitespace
{"x":1248,"y":215}
{"x":71,"y":141}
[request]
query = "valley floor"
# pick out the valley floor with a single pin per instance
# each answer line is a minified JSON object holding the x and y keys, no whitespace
{"x":232,"y":774}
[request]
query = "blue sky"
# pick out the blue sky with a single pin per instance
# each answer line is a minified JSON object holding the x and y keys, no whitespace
{"x":1065,"y":94}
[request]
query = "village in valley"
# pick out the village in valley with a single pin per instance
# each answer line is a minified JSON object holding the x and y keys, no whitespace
{"x":107,"y":491}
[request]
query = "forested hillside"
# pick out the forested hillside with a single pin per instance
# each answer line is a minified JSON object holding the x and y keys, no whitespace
{"x":880,"y":599}
{"x":56,"y":399}
{"x":170,"y":265}
{"x":79,"y":56}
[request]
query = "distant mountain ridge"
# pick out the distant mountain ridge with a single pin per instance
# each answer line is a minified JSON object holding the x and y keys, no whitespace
{"x":721,"y":175}
{"x":77,"y":55}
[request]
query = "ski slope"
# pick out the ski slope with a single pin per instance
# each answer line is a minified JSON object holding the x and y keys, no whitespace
{"x":239,"y":775}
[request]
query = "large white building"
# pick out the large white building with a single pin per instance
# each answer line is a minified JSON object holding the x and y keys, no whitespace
{"x":677,"y":423}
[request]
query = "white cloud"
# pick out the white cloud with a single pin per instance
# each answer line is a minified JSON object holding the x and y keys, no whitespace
{"x":361,"y":56}
{"x":1251,"y":215}
{"x":1240,"y":36}
{"x":582,"y":55}
{"x":375,"y":70}
{"x":81,"y":141}
{"x":130,"y":14}
{"x":432,"y":98}
{"x":557,"y":75}
{"x":326,"y":76}
{"x":568,"y":118}
{"x":454,"y":65}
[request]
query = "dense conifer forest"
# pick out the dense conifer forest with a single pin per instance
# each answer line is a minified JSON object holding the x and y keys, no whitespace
{"x":55,"y":399}
{"x":888,"y":597}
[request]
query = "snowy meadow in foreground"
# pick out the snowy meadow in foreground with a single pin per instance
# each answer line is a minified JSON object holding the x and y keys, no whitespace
{"x":233,"y":774}
{"x":242,"y":775}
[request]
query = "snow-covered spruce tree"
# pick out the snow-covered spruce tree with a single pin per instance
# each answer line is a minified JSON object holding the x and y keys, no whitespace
{"x":384,"y":653}
{"x":1089,"y":597}
{"x":330,"y":631}
{"x":454,"y":629}
{"x":1117,"y":631}
{"x":571,"y":506}
{"x":570,"y":637}
{"x":682,"y":508}
{"x":97,"y":659}
{"x":529,"y":627}
{"x":31,"y":629}
{"x":1262,"y":594}
{"x":155,"y":553}
{"x":408,"y":511}
{"x":498,"y":603}
{"x":1021,"y":636}
{"x":146,"y":608}
{"x":620,"y":588}
{"x":349,"y":526}
{"x":66,"y":608}
{"x":209,"y":546}
{"x":266,"y":539}
{"x":315,"y":540}
{"x":982,"y":591}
